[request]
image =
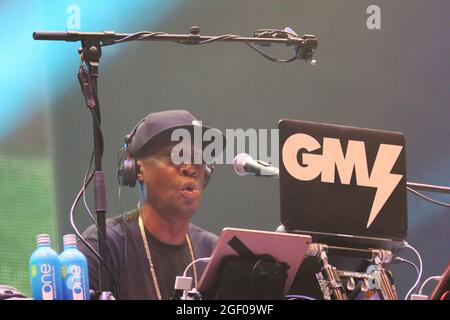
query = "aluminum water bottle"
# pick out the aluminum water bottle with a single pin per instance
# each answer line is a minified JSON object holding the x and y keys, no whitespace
{"x":45,"y":271}
{"x":74,"y":271}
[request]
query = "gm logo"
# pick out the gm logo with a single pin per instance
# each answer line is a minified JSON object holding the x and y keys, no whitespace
{"x":354,"y":160}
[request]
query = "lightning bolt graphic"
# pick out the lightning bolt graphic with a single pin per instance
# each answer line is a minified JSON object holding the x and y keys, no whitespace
{"x":382,"y":178}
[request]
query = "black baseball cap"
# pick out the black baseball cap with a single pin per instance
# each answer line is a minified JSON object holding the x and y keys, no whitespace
{"x":158,"y":124}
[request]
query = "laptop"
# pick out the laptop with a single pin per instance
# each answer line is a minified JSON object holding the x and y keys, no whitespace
{"x":344,"y":186}
{"x":283,"y":247}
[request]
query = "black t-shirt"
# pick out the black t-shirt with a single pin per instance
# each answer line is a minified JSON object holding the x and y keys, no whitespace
{"x":127,"y":259}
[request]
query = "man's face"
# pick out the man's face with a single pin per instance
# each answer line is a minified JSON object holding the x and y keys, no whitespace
{"x":173,"y":190}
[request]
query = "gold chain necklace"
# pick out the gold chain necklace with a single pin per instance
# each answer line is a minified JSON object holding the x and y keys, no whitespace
{"x":150,"y":262}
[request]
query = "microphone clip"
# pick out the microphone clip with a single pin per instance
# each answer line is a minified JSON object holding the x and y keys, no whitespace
{"x":306,"y":50}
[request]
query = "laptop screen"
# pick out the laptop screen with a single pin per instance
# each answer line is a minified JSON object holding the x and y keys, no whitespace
{"x":343,"y":184}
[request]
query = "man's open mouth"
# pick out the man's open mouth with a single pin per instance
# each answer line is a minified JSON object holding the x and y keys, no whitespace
{"x":190,"y":191}
{"x":189,"y":187}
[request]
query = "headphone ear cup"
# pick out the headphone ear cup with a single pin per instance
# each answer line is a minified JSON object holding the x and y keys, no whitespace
{"x":209,"y":169}
{"x":127,"y":173}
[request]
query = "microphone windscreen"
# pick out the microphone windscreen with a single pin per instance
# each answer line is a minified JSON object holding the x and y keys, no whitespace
{"x":239,"y":162}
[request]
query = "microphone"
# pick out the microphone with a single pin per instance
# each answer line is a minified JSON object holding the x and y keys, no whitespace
{"x":244,"y":164}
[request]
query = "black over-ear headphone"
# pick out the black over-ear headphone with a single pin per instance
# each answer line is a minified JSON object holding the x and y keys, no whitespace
{"x":127,"y":167}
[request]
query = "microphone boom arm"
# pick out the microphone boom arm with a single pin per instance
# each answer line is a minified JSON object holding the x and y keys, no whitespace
{"x":305,"y":46}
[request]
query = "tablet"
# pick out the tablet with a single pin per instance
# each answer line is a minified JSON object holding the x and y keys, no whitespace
{"x":283,"y":247}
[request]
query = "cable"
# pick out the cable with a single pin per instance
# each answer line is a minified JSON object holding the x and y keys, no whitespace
{"x":427,"y":198}
{"x":100,"y":134}
{"x":403,"y":260}
{"x":97,"y":123}
{"x":72,"y":222}
{"x":213,"y":39}
{"x":83,"y":65}
{"x":87,"y":179}
{"x":297,"y":297}
{"x":436,"y":278}
{"x":96,"y":117}
{"x":135,"y":36}
{"x":400,"y":259}
{"x":420,"y":269}
{"x":261,"y":33}
{"x":84,"y":191}
{"x":270,"y":58}
{"x":194,"y":262}
{"x":186,"y":271}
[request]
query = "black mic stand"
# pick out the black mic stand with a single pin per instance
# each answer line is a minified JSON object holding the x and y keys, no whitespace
{"x":90,"y":54}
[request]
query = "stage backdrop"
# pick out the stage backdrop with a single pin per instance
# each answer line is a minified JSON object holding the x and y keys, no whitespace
{"x":381,"y":64}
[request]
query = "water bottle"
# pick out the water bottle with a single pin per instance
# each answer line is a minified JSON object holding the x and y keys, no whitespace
{"x":45,"y":271}
{"x":74,"y":271}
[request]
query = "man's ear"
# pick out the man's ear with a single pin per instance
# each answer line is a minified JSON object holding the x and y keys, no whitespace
{"x":139,"y":171}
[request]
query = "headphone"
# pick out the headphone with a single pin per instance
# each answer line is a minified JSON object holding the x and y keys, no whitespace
{"x":127,"y":167}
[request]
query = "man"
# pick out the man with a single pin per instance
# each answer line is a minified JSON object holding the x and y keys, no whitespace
{"x":151,"y":245}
